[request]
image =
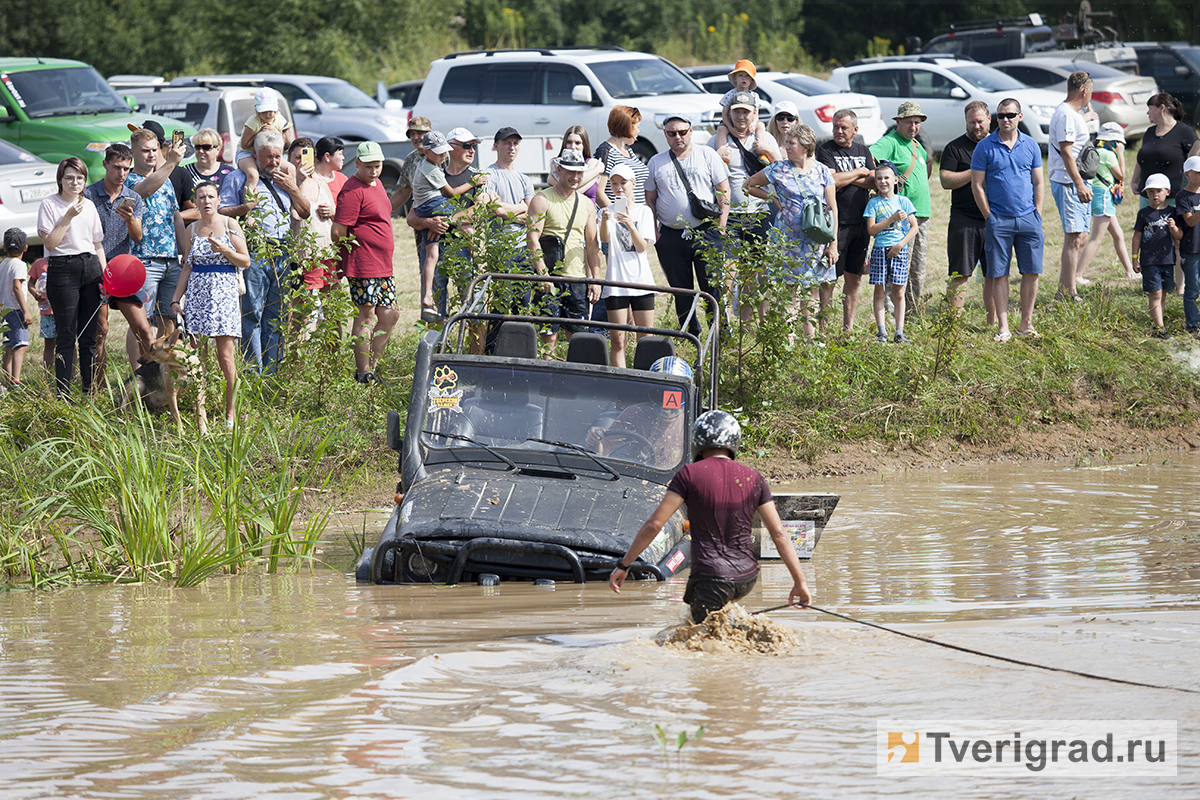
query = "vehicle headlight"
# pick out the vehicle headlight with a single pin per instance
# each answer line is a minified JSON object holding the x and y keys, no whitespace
{"x":1042,"y":111}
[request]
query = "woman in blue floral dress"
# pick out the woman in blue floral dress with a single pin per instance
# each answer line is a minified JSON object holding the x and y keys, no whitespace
{"x":208,"y":279}
{"x":796,"y":181}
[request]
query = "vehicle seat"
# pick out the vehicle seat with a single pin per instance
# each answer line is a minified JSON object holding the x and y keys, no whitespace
{"x":516,"y":340}
{"x":651,"y":349}
{"x":504,"y":417}
{"x":588,"y":348}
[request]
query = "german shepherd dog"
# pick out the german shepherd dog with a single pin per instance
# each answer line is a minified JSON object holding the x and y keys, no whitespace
{"x":154,"y":382}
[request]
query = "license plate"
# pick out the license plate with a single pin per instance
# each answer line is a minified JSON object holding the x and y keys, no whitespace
{"x":1141,"y":97}
{"x":34,"y":193}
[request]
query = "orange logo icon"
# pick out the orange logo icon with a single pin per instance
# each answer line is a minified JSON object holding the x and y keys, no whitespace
{"x":904,"y":747}
{"x":673,"y":399}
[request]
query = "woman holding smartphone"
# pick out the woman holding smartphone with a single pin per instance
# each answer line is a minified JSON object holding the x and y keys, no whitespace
{"x":74,"y":240}
{"x":628,"y":228}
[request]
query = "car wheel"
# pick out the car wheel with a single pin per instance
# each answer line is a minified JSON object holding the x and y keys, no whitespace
{"x":389,"y":178}
{"x":643,"y":150}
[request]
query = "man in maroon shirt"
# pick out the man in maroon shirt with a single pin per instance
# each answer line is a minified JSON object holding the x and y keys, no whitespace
{"x":722,"y":496}
{"x":365,"y":212}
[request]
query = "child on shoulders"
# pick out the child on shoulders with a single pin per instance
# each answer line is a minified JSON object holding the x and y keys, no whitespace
{"x":14,"y":308}
{"x":743,"y":80}
{"x":892,"y":220}
{"x":1154,"y":237}
{"x":266,"y":115}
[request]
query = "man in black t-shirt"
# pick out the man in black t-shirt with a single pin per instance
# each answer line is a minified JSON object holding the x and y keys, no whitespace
{"x":965,"y":235}
{"x":853,"y":169}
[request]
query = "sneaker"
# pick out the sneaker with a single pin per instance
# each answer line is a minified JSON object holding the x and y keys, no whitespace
{"x":881,"y":338}
{"x":1161,"y":333}
{"x":900,"y":338}
{"x":364,"y":377}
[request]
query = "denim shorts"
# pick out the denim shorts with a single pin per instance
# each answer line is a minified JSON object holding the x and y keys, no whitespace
{"x":1158,"y":278}
{"x":1005,"y":235}
{"x":17,"y":334}
{"x":1076,"y":217}
{"x":162,"y":274}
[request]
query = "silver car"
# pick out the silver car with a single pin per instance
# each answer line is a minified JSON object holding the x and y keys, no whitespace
{"x":1116,"y":96}
{"x":25,"y":180}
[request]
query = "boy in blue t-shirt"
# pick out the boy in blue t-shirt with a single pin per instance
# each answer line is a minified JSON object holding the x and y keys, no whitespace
{"x":1187,"y":210}
{"x":892,"y":220}
{"x":1154,"y":237}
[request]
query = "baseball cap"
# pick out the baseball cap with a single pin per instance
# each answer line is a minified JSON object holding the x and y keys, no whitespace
{"x":420,"y":124}
{"x":883,"y":162}
{"x":152,"y":126}
{"x":462,"y":136}
{"x":265,"y":99}
{"x":1157,"y":181}
{"x":625,"y":171}
{"x":786,"y":107}
{"x":679,"y":117}
{"x":436,"y":142}
{"x":506,"y":133}
{"x":369,"y":152}
{"x":571,"y":159}
{"x":1192,"y":164}
{"x":1111,"y":132}
{"x":744,"y":100}
{"x":14,"y":240}
{"x":909,"y":108}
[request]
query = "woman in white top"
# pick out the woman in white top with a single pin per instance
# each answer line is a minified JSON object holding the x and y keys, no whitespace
{"x":74,"y":241}
{"x":628,"y":228}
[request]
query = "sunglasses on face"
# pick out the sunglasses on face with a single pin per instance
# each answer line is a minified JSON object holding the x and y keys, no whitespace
{"x":470,"y":146}
{"x":785,"y":117}
{"x":1008,"y":115}
{"x":683,"y":132}
{"x":207,"y":147}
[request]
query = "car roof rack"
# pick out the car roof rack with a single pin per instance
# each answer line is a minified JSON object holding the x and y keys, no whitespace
{"x":545,"y":51}
{"x":927,"y":58}
{"x":213,"y":83}
{"x":996,"y":23}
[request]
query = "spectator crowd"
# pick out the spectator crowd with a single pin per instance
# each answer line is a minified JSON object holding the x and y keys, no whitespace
{"x":840,"y":210}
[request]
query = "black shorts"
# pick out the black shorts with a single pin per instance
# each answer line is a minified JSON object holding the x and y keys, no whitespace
{"x":853,"y":244}
{"x":965,"y":245}
{"x":568,"y":300}
{"x":637,"y":302}
{"x":706,"y":595}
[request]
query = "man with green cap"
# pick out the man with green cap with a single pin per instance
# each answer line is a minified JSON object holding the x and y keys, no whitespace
{"x":364,"y":212}
{"x":914,"y":166}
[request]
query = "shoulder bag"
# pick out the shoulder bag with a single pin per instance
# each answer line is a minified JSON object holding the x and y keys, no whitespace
{"x":701,"y":209}
{"x":554,"y":248}
{"x":816,"y":219}
{"x":750,"y":161}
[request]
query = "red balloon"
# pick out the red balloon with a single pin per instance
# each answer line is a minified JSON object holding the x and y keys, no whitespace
{"x":124,"y":275}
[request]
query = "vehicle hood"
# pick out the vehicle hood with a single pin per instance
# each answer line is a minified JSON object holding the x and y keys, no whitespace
{"x":1029,"y":97}
{"x":107,"y":128}
{"x":701,"y":109}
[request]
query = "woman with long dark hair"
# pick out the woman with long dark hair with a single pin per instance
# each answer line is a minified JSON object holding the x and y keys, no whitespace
{"x":1165,"y":145}
{"x":74,"y":240}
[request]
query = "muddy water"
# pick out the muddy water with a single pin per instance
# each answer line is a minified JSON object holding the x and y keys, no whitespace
{"x":308,"y":686}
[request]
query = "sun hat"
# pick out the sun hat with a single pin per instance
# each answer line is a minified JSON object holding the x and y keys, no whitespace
{"x":369,"y":152}
{"x":747,"y":66}
{"x":1192,"y":164}
{"x":1111,"y":132}
{"x":744,"y":100}
{"x":420,"y":125}
{"x":571,"y":159}
{"x":625,"y":171}
{"x":265,"y":99}
{"x":909,"y":108}
{"x":435,"y":142}
{"x":462,"y":136}
{"x":1157,"y":181}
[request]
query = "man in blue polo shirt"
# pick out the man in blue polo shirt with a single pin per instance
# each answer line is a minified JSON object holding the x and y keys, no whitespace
{"x":1006,"y":179}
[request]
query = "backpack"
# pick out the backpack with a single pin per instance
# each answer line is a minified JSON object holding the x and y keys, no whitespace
{"x":1087,"y":160}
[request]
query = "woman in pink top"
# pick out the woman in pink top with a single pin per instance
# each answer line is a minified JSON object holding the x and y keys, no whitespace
{"x":74,"y":241}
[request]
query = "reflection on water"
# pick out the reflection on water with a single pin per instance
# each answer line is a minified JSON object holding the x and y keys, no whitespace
{"x":308,"y":686}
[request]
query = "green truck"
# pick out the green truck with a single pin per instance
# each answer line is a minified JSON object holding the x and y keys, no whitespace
{"x":55,"y":108}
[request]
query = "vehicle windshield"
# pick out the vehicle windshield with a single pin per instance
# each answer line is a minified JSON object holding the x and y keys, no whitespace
{"x":343,"y":95}
{"x":808,"y":86}
{"x":1191,"y":55}
{"x":1097,"y":71}
{"x":503,"y":407}
{"x":64,"y":92}
{"x":988,"y":79}
{"x":643,"y":77}
{"x":11,"y":154}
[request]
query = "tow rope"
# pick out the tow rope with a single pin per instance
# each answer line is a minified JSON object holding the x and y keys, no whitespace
{"x":978,"y":652}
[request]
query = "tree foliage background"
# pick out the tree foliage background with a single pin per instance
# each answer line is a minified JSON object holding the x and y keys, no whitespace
{"x":369,"y":40}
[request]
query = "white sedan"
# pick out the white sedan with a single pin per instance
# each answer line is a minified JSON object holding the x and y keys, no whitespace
{"x":815,"y":99}
{"x":25,"y":180}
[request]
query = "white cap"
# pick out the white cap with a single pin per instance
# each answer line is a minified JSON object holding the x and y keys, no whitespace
{"x":265,"y":99}
{"x":1192,"y":164}
{"x":462,"y":136}
{"x":1111,"y":132}
{"x":1157,"y":181}
{"x":786,"y":107}
{"x":626,"y":172}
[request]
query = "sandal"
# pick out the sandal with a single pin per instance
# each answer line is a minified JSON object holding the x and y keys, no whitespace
{"x":430,"y":314}
{"x":1031,"y":333}
{"x":1002,"y":337}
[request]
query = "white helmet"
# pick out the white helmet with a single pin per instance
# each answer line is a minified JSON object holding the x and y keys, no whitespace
{"x":716,"y":429}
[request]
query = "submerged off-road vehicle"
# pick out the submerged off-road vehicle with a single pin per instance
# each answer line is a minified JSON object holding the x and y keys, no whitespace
{"x":525,"y":468}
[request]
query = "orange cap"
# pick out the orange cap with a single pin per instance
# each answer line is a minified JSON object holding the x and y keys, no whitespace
{"x":747,"y":66}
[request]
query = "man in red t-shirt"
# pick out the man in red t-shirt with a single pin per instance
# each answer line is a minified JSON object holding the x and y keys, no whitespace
{"x":365,"y":212}
{"x":722,"y":496}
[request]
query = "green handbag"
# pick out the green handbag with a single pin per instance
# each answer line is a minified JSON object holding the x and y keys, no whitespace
{"x":816,"y":220}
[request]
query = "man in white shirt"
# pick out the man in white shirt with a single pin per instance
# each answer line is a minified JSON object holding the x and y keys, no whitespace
{"x":1072,"y":194}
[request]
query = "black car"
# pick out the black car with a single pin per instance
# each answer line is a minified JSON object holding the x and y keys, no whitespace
{"x":1175,"y":67}
{"x":500,"y":476}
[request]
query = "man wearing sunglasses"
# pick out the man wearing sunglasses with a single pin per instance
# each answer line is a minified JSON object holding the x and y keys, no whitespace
{"x":853,"y":169}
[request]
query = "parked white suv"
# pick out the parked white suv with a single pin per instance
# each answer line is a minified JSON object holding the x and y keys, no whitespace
{"x":543,"y":92}
{"x":943,"y":87}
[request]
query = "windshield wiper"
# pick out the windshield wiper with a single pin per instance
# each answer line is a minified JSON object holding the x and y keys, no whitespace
{"x":568,"y":446}
{"x":469,"y":440}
